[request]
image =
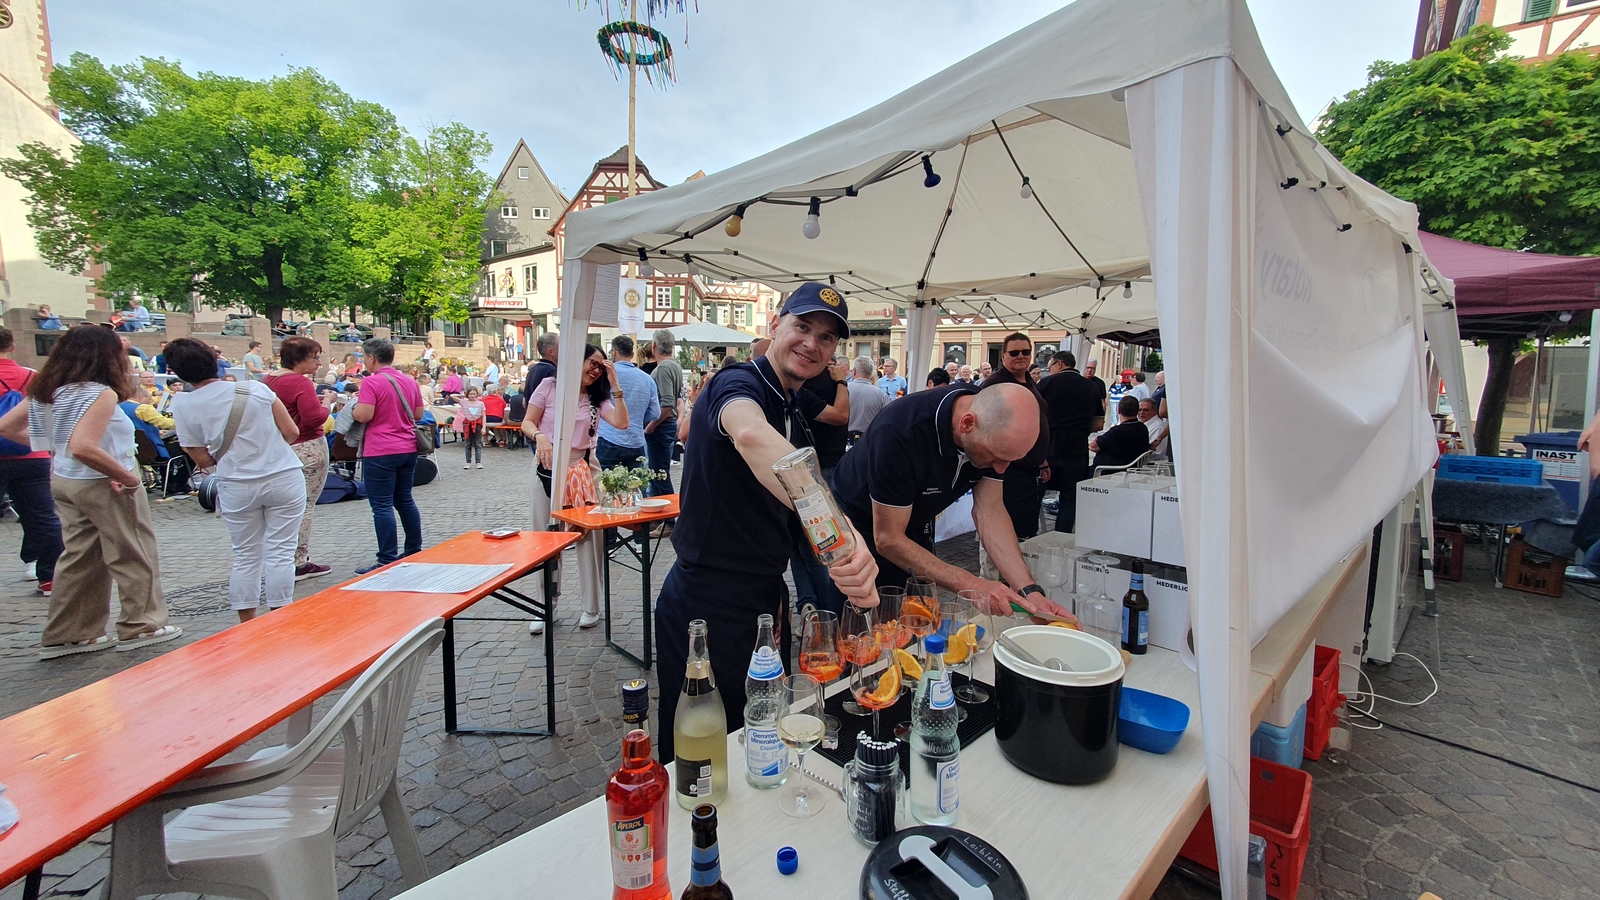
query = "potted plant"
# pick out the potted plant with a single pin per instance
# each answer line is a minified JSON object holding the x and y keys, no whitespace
{"x":620,"y":489}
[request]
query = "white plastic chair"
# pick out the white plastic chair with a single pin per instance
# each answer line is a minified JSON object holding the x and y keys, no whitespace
{"x":265,"y":829}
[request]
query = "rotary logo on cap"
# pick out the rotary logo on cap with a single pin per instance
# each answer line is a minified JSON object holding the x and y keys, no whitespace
{"x":830,"y":297}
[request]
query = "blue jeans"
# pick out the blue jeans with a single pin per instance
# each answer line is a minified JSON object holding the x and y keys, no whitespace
{"x":388,"y":480}
{"x":658,"y":446}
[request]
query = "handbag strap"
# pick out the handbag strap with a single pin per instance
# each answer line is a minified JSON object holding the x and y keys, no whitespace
{"x":241,"y":395}
{"x":400,"y":399}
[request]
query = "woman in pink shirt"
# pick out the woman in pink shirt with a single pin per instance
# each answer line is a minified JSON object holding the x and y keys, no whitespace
{"x":599,"y":399}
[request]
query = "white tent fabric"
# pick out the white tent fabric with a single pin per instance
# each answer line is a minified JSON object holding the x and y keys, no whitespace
{"x":706,"y":334}
{"x":1163,"y":152}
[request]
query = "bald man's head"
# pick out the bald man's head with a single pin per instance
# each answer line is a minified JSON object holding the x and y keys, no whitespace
{"x":999,"y":426}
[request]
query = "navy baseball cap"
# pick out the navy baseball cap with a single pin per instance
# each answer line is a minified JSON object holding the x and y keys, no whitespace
{"x":812,"y":297}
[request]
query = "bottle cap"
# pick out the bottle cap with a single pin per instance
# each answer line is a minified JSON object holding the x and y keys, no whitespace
{"x":788,"y":858}
{"x":635,"y":700}
{"x":934,"y":643}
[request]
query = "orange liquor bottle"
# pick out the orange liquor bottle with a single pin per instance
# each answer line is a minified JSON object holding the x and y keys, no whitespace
{"x":636,"y":807}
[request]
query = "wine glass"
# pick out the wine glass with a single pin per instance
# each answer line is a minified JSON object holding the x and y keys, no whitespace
{"x":1104,"y":619}
{"x":800,"y":727}
{"x":871,"y":669}
{"x":819,"y":646}
{"x":921,"y":592}
{"x":914,"y":628}
{"x":853,"y":625}
{"x":972,"y":627}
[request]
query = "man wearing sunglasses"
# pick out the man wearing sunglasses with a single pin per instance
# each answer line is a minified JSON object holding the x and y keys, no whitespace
{"x":736,"y":523}
{"x":1024,"y":479}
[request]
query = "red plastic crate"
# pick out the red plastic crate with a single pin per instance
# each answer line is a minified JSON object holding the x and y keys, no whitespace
{"x":1322,"y":709}
{"x":1280,"y":811}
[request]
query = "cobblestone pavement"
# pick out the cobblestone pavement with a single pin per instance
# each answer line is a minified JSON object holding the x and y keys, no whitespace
{"x":1393,"y":816}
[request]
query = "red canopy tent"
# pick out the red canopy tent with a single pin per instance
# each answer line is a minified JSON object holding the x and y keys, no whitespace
{"x":1510,"y":292}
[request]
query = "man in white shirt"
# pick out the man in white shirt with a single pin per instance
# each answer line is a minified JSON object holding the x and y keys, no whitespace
{"x":1140,"y":390}
{"x":865,"y":398}
{"x":491,"y":375}
{"x":1156,"y":425}
{"x":254,"y":363}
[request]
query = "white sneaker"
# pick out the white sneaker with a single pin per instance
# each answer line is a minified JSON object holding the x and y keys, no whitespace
{"x":588,"y":620}
{"x":480,"y":465}
{"x":30,"y":572}
{"x":536,"y":627}
{"x":467,"y":466}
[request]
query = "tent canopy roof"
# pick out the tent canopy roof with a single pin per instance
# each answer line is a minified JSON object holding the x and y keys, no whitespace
{"x":1513,"y":293}
{"x":1019,"y":108}
{"x":705,"y":334}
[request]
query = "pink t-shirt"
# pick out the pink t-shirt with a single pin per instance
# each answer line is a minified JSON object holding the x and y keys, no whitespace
{"x":392,"y":429}
{"x":544,"y":397}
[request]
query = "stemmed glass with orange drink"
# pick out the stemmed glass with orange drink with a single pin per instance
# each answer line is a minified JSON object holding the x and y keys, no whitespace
{"x":819,"y":646}
{"x":874,"y":675}
{"x":855,"y":623}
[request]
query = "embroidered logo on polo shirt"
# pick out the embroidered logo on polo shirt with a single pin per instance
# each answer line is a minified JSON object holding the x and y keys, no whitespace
{"x":830,"y":297}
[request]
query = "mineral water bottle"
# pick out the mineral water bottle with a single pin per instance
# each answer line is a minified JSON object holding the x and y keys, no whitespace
{"x":935,"y":766}
{"x":766,"y":759}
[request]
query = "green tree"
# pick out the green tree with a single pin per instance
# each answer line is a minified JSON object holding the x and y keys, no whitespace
{"x":279,"y":194}
{"x":1491,"y":149}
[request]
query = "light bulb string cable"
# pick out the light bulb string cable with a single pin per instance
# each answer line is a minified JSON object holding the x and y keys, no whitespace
{"x":944,"y":221}
{"x":1045,"y":209}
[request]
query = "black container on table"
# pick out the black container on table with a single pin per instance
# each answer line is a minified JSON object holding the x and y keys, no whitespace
{"x":1055,"y":725}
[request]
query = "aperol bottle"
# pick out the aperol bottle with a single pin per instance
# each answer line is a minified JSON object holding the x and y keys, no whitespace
{"x":636,"y":807}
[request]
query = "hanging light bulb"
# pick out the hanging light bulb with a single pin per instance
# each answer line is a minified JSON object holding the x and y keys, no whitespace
{"x":1027,"y":189}
{"x":1127,"y":290}
{"x":1566,"y":316}
{"x":813,"y":226}
{"x":735,"y":222}
{"x":1094,"y":284}
{"x":931,"y":179}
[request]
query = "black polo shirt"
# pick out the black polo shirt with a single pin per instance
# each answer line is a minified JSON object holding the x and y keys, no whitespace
{"x":1122,"y":444}
{"x":908,"y":458}
{"x":540,"y":370}
{"x":1041,"y":445}
{"x":814,"y":398}
{"x":728,"y":519}
{"x":1074,"y":404}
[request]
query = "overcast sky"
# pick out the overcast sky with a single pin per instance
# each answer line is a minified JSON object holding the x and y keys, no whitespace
{"x":753,"y":75}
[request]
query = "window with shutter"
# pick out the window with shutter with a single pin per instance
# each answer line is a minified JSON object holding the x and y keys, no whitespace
{"x":1538,"y":9}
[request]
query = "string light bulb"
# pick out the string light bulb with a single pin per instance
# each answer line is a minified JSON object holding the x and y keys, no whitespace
{"x":1094,"y":284}
{"x":931,"y":179}
{"x":736,"y":221}
{"x":1566,"y":316}
{"x":1027,"y":189}
{"x":812,"y":229}
{"x":1127,"y":290}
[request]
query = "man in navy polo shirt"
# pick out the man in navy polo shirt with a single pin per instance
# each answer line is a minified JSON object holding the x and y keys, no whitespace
{"x":736,"y":526}
{"x":921,"y":454}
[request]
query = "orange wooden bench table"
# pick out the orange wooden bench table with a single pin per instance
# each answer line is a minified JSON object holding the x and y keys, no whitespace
{"x":78,"y":763}
{"x":585,"y":519}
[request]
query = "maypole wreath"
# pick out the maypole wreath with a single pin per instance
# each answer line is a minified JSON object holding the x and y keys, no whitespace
{"x":652,"y":51}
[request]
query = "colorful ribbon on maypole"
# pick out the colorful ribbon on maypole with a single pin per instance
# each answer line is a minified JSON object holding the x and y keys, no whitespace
{"x":629,"y":41}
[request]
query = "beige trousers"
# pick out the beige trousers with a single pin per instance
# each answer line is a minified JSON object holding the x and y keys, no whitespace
{"x":314,"y":463}
{"x":105,"y":536}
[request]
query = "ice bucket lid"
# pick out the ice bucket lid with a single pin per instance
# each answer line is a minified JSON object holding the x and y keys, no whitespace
{"x":1093,"y":661}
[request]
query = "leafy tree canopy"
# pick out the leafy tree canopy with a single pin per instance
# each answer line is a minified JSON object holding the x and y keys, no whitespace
{"x":1491,"y":149}
{"x":275,"y":194}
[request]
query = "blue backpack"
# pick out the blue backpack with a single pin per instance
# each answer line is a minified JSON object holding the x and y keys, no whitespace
{"x":8,"y":402}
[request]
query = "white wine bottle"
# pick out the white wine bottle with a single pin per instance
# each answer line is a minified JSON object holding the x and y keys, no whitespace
{"x":699,"y":730}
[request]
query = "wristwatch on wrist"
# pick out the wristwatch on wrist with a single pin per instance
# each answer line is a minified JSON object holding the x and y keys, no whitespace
{"x":1032,"y":589}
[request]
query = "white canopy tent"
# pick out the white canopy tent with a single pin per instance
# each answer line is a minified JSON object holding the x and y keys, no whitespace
{"x":1158,"y":149}
{"x":707,"y":334}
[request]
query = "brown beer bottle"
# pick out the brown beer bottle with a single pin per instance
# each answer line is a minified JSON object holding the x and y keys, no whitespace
{"x":1136,"y":613}
{"x":705,"y":868}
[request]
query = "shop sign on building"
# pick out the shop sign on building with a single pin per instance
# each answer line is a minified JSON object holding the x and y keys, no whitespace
{"x":516,"y":303}
{"x":870,"y":314}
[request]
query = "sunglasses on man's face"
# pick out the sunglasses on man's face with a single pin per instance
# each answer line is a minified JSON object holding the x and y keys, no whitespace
{"x":1016,"y":353}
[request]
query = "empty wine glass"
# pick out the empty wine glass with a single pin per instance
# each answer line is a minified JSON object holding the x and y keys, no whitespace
{"x":1104,"y":619}
{"x":972,"y":629}
{"x":819,"y":646}
{"x":800,"y":727}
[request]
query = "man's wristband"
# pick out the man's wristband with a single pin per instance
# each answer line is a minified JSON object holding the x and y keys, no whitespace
{"x":1032,"y":589}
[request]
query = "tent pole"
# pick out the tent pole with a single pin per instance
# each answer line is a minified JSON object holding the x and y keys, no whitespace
{"x":1590,"y":399}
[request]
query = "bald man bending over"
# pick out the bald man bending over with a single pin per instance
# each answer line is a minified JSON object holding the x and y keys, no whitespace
{"x":921,"y":454}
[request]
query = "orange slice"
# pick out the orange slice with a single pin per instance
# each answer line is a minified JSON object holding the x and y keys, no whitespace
{"x":962,"y":644}
{"x":908,"y":664}
{"x":917,"y":607}
{"x":1068,"y":625}
{"x":888,"y":686}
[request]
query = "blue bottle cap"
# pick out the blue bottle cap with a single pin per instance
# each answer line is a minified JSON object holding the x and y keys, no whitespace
{"x":788,"y":860}
{"x":934,"y":643}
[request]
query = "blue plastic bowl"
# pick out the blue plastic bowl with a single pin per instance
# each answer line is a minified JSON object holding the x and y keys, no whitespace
{"x":1151,"y":722}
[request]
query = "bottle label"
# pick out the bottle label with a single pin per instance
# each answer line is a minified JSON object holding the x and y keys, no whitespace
{"x":633,"y":856}
{"x":1144,"y":628}
{"x":816,"y":516}
{"x":694,"y":777}
{"x":766,"y":664}
{"x":1135,"y":631}
{"x":939,"y":694}
{"x":764,"y":754}
{"x":949,"y":778}
{"x":705,"y":867}
{"x":1136,"y":582}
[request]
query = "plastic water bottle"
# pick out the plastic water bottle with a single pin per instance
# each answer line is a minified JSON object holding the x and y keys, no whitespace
{"x":935,"y":749}
{"x":766,"y":759}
